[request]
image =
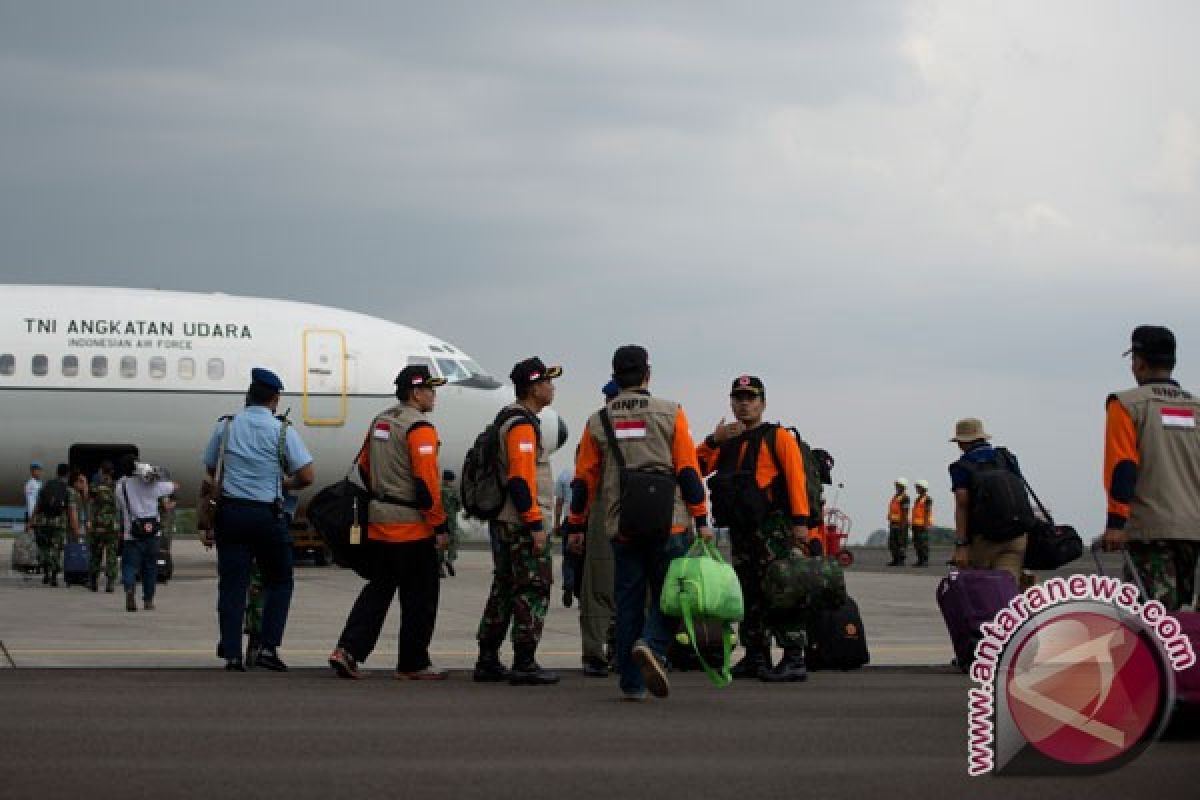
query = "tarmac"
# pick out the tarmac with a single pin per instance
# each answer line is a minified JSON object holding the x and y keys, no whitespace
{"x":100,"y":702}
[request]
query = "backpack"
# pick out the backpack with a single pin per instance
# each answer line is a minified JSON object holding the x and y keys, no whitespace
{"x":484,"y":486}
{"x":104,"y":508}
{"x":817,"y":466}
{"x":52,"y":499}
{"x":999,"y":509}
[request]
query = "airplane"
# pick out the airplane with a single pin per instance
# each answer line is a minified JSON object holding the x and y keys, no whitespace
{"x":93,"y":373}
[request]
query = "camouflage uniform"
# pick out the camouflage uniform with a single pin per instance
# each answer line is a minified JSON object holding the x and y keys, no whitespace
{"x":104,"y":534}
{"x":752,"y":554}
{"x":452,"y":504}
{"x":520,"y":591}
{"x":52,"y":536}
{"x":1167,"y":568}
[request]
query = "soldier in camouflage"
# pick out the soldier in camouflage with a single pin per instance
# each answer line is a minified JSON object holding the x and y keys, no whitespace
{"x":54,"y":514}
{"x":453,"y":505}
{"x":104,"y":533}
{"x":760,"y":466}
{"x":520,"y":591}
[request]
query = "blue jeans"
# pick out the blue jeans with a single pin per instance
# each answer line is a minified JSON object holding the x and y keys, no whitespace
{"x":249,"y":535}
{"x":639,"y":574}
{"x":140,"y":555}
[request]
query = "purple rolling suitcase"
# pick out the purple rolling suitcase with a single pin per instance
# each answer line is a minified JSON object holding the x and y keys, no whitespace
{"x":969,"y":598}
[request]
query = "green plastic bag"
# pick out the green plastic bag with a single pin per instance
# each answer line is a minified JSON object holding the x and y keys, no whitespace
{"x":704,"y":584}
{"x":703,"y":589}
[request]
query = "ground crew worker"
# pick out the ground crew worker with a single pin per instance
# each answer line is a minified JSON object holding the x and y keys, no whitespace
{"x":654,"y":438}
{"x":399,"y":463}
{"x":53,"y":516}
{"x":922,"y":521}
{"x":897,"y":519}
{"x":772,"y":455}
{"x":1151,"y":464}
{"x":452,"y":503}
{"x":264,"y":459}
{"x":520,"y":591}
{"x":104,"y":533}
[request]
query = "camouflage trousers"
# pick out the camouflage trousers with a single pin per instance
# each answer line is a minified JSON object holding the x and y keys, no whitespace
{"x":1167,"y":569}
{"x":520,"y":592}
{"x":50,"y":543}
{"x":102,"y":549}
{"x":920,"y":537}
{"x":254,"y":607}
{"x":898,"y":541}
{"x":450,"y":554}
{"x":753,"y":552}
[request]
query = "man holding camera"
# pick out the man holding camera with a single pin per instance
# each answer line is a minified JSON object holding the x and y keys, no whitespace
{"x":137,"y":498}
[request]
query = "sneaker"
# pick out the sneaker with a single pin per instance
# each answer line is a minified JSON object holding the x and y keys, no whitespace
{"x":637,"y":696}
{"x":430,"y":673}
{"x":269,"y":659}
{"x":652,"y":669}
{"x":343,"y":664}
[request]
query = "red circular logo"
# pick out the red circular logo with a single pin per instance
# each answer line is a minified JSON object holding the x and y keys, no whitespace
{"x":1084,"y":688}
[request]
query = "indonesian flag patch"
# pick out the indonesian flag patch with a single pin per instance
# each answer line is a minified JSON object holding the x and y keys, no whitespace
{"x":382,"y":430}
{"x":425,"y":449}
{"x":629,"y":428}
{"x":1178,"y":417}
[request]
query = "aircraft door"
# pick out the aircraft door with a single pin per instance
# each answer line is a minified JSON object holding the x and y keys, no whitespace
{"x":324,"y":377}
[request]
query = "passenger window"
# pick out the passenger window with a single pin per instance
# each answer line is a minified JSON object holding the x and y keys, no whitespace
{"x":187,"y":368}
{"x":99,"y":366}
{"x":128,"y":367}
{"x":8,"y":364}
{"x":70,"y":366}
{"x":158,"y":367}
{"x":216,"y":369}
{"x":41,"y":365}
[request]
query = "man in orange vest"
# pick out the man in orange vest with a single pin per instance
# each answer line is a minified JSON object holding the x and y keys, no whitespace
{"x":897,"y":518}
{"x":922,"y":521}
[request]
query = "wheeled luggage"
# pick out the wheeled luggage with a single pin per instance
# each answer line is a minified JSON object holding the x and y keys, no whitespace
{"x":969,"y":598}
{"x":837,"y":639}
{"x":76,"y":560}
{"x":25,"y":552}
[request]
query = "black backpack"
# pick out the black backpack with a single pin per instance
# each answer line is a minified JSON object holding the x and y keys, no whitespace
{"x":483,"y":487}
{"x":52,"y":499}
{"x":737,"y":501}
{"x":818,"y":465}
{"x":999,"y":509}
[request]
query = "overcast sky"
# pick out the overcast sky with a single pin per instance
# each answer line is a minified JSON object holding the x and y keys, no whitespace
{"x":897,"y":213}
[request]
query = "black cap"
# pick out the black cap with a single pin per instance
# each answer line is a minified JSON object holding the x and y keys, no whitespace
{"x":630,"y":358}
{"x":532,"y":370}
{"x":417,"y":376}
{"x":1152,"y":341}
{"x":748,"y":384}
{"x":266,"y":378}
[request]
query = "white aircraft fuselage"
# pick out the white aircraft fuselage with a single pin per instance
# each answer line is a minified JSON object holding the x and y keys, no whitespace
{"x":92,"y":373}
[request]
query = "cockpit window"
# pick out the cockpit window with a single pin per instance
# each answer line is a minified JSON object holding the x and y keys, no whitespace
{"x":452,"y":370}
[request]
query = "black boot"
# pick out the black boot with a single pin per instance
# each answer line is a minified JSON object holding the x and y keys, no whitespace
{"x":94,"y":583}
{"x":526,"y":671}
{"x":790,"y":667}
{"x":130,"y":602}
{"x":489,"y":668}
{"x":754,"y":664}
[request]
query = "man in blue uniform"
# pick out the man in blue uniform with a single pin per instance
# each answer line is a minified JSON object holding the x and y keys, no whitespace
{"x":264,"y":460}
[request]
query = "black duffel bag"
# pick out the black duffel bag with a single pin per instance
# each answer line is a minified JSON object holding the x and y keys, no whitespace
{"x":333,"y":512}
{"x":1051,"y":546}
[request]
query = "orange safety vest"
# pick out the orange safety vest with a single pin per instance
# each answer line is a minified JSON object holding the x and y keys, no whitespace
{"x":922,"y":515}
{"x":897,"y":515}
